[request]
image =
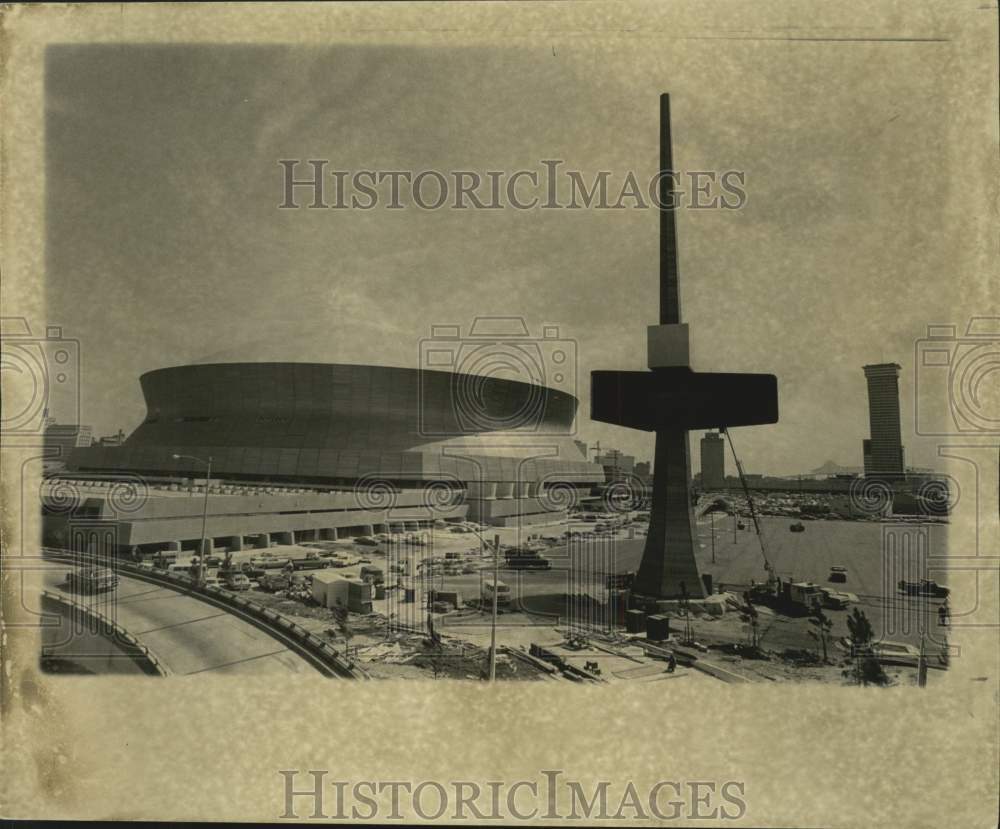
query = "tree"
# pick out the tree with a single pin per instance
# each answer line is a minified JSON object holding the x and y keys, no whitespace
{"x":867,"y":667}
{"x":340,"y":616}
{"x":823,"y":625}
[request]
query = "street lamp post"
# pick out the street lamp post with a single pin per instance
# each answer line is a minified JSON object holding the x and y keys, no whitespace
{"x":204,"y":513}
{"x":713,"y":536}
{"x":496,"y":580}
{"x":493,"y":623}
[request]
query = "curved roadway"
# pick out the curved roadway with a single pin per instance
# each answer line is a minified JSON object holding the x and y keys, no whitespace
{"x":188,"y":635}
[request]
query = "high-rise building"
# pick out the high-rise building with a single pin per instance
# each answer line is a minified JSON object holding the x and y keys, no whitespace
{"x":616,"y":465}
{"x":883,"y":451}
{"x":713,"y":461}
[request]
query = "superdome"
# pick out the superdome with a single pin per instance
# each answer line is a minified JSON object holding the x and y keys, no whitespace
{"x":337,"y":422}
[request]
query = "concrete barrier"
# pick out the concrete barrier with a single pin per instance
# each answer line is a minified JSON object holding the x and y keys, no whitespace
{"x":134,"y":649}
{"x":270,"y":618}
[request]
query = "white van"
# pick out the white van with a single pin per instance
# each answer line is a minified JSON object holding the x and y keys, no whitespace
{"x":502,"y":593}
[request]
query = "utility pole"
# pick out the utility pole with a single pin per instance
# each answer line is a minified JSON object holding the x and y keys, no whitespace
{"x":493,"y":623}
{"x":922,"y":665}
{"x":204,"y":513}
{"x":204,"y":525}
{"x":713,"y":536}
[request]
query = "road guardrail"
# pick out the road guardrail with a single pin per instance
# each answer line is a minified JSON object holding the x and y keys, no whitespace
{"x":321,"y":654}
{"x":126,"y":641}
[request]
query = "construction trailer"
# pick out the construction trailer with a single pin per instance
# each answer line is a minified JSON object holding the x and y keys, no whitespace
{"x":330,"y":589}
{"x":805,"y":595}
{"x":359,"y":596}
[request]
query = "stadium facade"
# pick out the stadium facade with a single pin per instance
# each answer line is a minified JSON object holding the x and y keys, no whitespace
{"x":317,"y":450}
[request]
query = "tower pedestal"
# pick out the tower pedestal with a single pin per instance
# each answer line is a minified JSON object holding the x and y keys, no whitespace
{"x":668,"y":559}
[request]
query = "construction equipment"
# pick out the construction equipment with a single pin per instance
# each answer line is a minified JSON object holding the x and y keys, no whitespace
{"x":525,"y":557}
{"x":372,"y":573}
{"x":805,"y":595}
{"x":771,"y":577}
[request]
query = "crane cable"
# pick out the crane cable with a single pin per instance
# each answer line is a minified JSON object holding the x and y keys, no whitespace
{"x":753,"y":511}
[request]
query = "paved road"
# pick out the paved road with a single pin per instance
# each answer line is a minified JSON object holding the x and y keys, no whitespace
{"x":188,"y":635}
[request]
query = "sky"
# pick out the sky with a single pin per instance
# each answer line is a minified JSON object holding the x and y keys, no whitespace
{"x":165,"y":244}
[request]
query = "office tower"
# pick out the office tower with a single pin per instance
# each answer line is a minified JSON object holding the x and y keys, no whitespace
{"x":713,"y":461}
{"x":883,"y":452}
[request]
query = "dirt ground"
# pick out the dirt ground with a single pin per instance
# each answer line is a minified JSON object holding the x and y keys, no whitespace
{"x":789,"y":654}
{"x":398,"y":654}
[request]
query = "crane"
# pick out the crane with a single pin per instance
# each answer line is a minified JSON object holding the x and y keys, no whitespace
{"x":771,"y":578}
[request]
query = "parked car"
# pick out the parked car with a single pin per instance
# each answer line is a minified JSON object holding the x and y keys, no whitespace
{"x":272,"y":563}
{"x":924,"y":587}
{"x":834,"y":599}
{"x":237,"y":581}
{"x":312,"y":561}
{"x":837,"y":574}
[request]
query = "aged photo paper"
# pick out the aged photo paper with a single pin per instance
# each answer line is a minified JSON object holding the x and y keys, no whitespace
{"x":508,"y":413}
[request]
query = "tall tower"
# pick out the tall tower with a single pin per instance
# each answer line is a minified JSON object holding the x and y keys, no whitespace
{"x":672,"y":399}
{"x":883,"y":452}
{"x":713,"y":461}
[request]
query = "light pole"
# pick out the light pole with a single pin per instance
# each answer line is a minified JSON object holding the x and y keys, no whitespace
{"x":713,"y":536}
{"x":493,"y":623}
{"x":496,"y":578}
{"x":496,"y":581}
{"x":204,"y":513}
